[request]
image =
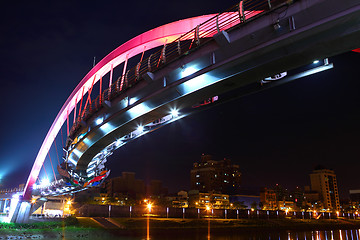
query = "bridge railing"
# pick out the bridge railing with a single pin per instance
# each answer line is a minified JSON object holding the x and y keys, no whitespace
{"x":235,"y":16}
{"x":11,"y":190}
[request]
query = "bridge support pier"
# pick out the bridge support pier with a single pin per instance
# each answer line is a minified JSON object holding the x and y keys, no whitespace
{"x":2,"y":206}
{"x":20,"y":211}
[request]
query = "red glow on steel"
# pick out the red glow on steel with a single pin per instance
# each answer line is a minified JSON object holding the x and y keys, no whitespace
{"x":82,"y":96}
{"x":100,"y":88}
{"x":89,"y":95}
{"x":75,"y":112}
{"x":110,"y":79}
{"x":67,"y":122}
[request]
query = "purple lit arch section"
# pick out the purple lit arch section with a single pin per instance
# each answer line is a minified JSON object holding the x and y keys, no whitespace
{"x":145,"y":41}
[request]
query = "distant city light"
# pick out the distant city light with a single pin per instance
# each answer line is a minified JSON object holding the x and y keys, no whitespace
{"x":99,"y":120}
{"x":149,"y":206}
{"x":315,"y":61}
{"x":175,"y":113}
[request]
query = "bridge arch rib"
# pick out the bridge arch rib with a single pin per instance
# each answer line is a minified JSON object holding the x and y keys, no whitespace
{"x":151,"y":39}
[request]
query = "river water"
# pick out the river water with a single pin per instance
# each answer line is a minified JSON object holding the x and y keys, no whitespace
{"x":203,"y":234}
{"x":353,"y":234}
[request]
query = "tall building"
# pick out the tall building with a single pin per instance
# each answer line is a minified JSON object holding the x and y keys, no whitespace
{"x":155,"y":188}
{"x":219,"y":176}
{"x":268,"y":199}
{"x":355,"y":195}
{"x":126,"y":184}
{"x":280,"y":198}
{"x":210,"y":199}
{"x":324,"y":182}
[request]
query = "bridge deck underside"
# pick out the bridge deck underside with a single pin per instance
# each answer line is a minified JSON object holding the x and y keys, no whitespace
{"x":308,"y":30}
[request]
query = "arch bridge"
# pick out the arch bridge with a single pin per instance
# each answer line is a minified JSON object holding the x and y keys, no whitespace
{"x":184,"y":66}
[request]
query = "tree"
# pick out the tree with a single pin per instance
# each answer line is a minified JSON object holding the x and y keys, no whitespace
{"x":239,"y":205}
{"x":254,"y":205}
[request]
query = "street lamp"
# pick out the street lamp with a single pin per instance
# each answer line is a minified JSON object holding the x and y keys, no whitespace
{"x":67,"y":206}
{"x":149,"y":206}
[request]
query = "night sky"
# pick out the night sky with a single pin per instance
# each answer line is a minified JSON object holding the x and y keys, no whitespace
{"x":276,"y":136}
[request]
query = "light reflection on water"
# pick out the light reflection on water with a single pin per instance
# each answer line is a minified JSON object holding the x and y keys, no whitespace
{"x":260,"y":235}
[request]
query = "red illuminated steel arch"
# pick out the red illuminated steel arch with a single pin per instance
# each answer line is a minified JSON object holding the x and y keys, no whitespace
{"x":150,"y":39}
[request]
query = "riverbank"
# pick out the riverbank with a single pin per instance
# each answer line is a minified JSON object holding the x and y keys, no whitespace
{"x":89,"y":228}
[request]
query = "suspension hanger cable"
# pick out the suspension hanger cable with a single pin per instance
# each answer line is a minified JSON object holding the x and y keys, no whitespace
{"x":52,"y":166}
{"x":57,"y":154}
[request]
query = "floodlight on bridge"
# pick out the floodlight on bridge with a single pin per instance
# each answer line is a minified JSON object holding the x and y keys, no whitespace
{"x":99,"y":120}
{"x":140,"y":128}
{"x":45,"y":183}
{"x":174,"y":113}
{"x":139,"y":110}
{"x":187,"y":71}
{"x":132,"y":100}
{"x":316,"y":61}
{"x":118,"y":143}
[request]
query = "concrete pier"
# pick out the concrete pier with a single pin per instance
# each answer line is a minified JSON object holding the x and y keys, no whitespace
{"x":20,"y":210}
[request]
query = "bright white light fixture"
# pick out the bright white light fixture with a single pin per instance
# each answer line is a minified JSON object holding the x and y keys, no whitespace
{"x":99,"y":120}
{"x":45,"y":182}
{"x":139,"y":110}
{"x":140,"y":128}
{"x":118,"y":142}
{"x":132,"y":100}
{"x":188,"y":71}
{"x":175,"y":113}
{"x":315,"y":61}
